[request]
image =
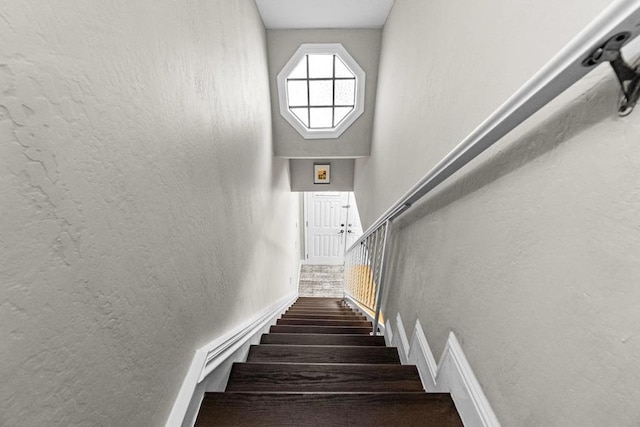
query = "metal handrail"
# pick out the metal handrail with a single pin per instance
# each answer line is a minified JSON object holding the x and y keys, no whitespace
{"x":567,"y":67}
{"x":554,"y":78}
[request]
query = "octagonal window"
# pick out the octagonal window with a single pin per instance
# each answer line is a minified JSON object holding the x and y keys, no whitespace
{"x":321,"y":90}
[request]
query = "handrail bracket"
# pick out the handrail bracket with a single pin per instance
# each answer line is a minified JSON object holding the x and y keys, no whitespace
{"x":628,"y":76}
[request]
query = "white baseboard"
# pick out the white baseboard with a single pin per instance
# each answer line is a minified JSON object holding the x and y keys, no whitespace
{"x":452,"y":375}
{"x":388,"y":334}
{"x":299,"y":275}
{"x":213,"y":355}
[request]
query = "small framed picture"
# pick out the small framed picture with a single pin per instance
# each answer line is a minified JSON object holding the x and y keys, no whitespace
{"x":321,"y":174}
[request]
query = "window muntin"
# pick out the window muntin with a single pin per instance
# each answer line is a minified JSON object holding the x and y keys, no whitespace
{"x":321,"y":91}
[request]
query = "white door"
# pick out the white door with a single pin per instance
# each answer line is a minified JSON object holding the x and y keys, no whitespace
{"x":326,"y":221}
{"x":354,"y":227}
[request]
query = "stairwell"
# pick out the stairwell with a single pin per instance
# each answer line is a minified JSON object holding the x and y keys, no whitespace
{"x":319,"y":366}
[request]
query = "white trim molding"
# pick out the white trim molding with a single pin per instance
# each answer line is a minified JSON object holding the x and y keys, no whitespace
{"x":452,"y":375}
{"x":218,"y":351}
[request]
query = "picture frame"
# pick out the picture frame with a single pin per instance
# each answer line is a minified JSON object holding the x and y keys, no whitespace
{"x":321,"y":173}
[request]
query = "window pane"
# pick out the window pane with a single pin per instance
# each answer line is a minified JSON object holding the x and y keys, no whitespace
{"x":345,"y":92}
{"x":297,"y":92}
{"x":321,"y":66}
{"x":300,"y":72}
{"x":340,"y":114}
{"x":321,"y":92}
{"x":321,"y":118}
{"x":302,"y":114}
{"x":341,"y":69}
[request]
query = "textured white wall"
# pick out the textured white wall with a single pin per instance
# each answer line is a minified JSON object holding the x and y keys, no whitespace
{"x":141,"y":211}
{"x":530,"y":255}
{"x":364,"y":47}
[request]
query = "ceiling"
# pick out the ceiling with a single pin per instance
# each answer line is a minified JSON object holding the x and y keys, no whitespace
{"x":304,"y":14}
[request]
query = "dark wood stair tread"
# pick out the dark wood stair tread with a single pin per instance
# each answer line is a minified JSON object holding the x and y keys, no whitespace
{"x":287,"y":377}
{"x":323,"y":322}
{"x":328,"y":409}
{"x":323,"y":305}
{"x":319,"y":313}
{"x":276,"y":353}
{"x":320,"y":366}
{"x":322,"y":310}
{"x":324,"y":339}
{"x":320,"y":305}
{"x":305,"y":329}
{"x":324,"y":316}
{"x":336,"y":311}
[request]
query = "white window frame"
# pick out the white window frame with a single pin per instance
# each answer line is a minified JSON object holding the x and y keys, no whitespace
{"x":327,"y":49}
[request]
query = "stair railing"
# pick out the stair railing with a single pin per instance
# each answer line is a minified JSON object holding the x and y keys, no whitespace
{"x":601,"y":41}
{"x":364,"y":270}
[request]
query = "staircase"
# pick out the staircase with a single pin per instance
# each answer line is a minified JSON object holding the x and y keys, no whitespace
{"x":319,"y":366}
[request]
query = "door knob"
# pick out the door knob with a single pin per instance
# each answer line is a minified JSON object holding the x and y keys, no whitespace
{"x":341,"y":231}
